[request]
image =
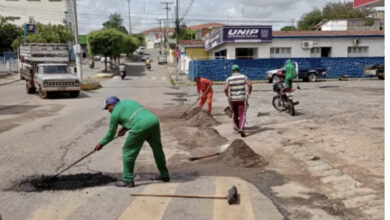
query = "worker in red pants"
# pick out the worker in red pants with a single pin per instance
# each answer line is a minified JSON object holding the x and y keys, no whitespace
{"x":205,"y":92}
{"x":238,"y":96}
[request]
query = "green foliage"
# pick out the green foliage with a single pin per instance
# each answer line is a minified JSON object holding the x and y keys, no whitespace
{"x":141,"y":39}
{"x":309,"y":20}
{"x":115,"y":22}
{"x":343,"y":10}
{"x":288,"y":28}
{"x":8,"y":33}
{"x":46,"y":33}
{"x":369,"y":22}
{"x":130,"y":44}
{"x":185,"y":33}
{"x":106,"y":42}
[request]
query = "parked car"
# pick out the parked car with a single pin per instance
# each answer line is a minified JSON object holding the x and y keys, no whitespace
{"x":374,"y":71}
{"x":103,"y":59}
{"x":309,"y":75}
{"x":380,"y":71}
{"x":145,"y":56}
{"x":97,"y":58}
{"x":141,"y":50}
{"x":162,"y":59}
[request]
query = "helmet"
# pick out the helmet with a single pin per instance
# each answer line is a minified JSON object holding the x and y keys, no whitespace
{"x":235,"y":67}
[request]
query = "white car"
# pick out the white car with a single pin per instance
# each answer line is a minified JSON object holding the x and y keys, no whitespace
{"x":141,"y":50}
{"x":103,"y":59}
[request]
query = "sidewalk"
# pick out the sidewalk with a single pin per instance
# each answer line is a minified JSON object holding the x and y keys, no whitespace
{"x":7,"y":78}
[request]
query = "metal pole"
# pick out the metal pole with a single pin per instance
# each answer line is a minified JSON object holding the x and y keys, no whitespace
{"x":77,"y":48}
{"x":25,"y":32}
{"x":129,"y":17}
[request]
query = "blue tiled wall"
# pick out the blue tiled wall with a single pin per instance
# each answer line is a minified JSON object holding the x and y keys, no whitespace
{"x":219,"y":70}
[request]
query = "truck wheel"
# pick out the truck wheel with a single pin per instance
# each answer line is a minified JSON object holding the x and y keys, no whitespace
{"x":312,"y":77}
{"x":75,"y":94}
{"x":29,"y":89}
{"x":43,"y":94}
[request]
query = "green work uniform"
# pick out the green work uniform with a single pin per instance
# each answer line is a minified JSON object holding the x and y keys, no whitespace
{"x":143,"y":126}
{"x":291,"y":73}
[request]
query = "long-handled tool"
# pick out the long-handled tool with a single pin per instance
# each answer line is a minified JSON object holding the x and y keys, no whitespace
{"x":231,"y":197}
{"x":82,"y":158}
{"x":185,"y":112}
{"x":202,"y":157}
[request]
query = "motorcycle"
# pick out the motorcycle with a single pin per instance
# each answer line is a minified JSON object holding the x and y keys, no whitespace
{"x":282,"y":101}
{"x":122,"y":71}
{"x":148,"y":66}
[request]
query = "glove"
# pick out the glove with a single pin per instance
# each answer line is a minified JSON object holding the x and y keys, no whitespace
{"x":98,"y":146}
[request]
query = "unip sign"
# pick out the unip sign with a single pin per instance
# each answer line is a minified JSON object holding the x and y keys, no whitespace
{"x":247,"y":34}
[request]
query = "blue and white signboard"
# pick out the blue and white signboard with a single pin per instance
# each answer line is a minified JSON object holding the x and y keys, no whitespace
{"x":239,"y":34}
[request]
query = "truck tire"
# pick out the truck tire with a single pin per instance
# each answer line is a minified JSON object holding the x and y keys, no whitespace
{"x":43,"y":94}
{"x":312,"y":77}
{"x":29,"y":89}
{"x":74,"y":94}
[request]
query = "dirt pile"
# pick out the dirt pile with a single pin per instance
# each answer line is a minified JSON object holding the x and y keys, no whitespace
{"x":202,"y":119}
{"x":203,"y":137}
{"x":65,"y":182}
{"x":239,"y":154}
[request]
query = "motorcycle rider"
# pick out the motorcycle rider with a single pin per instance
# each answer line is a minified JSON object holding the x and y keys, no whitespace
{"x":290,"y":75}
{"x":148,"y":63}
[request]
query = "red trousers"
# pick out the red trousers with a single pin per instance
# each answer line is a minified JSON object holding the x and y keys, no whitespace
{"x":209,"y":97}
{"x":239,"y":110}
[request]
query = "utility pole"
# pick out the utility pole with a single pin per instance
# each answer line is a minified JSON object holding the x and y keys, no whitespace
{"x":167,"y":25}
{"x":177,"y":22}
{"x":76,"y":47}
{"x":161,"y":34}
{"x":129,"y":17}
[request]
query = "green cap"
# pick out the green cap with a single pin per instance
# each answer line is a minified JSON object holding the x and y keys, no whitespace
{"x":235,"y":67}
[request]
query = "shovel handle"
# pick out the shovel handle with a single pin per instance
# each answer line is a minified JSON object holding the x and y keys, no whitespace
{"x":85,"y":156}
{"x":198,"y":158}
{"x":180,"y":196}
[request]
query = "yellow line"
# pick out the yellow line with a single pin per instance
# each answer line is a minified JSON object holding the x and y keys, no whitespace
{"x":153,"y":208}
{"x":241,"y":211}
{"x":65,"y":205}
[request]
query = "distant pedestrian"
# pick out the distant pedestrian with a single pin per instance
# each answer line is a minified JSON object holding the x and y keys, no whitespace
{"x":142,"y":126}
{"x":205,"y":92}
{"x":238,"y":97}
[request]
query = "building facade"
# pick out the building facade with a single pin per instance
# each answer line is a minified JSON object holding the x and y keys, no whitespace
{"x":42,"y":11}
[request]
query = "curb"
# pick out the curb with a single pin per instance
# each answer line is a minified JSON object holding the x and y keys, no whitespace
{"x":102,"y":76}
{"x":6,"y":83}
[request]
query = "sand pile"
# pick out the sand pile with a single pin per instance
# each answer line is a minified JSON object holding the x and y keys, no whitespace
{"x":203,"y":137}
{"x":239,"y":154}
{"x":202,"y":119}
{"x":63,"y":182}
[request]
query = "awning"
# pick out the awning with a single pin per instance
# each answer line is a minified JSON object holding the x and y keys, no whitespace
{"x":369,"y":3}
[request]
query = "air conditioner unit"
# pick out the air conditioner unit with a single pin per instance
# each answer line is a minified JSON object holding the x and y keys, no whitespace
{"x":307,"y":44}
{"x":356,"y":42}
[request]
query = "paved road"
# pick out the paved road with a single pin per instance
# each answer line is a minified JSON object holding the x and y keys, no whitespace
{"x":43,"y":136}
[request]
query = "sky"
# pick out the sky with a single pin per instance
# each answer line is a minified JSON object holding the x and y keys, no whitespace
{"x":145,"y":14}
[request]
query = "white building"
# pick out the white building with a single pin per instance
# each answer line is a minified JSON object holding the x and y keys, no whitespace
{"x":301,"y":44}
{"x":351,"y":24}
{"x":42,"y":11}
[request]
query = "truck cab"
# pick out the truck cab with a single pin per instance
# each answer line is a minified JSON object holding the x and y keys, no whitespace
{"x":56,"y":77}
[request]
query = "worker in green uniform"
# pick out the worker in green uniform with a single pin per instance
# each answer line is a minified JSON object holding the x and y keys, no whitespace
{"x":143,"y":126}
{"x":291,"y":73}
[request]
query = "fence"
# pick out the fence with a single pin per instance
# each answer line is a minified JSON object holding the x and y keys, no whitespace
{"x":255,"y":69}
{"x":8,"y":66}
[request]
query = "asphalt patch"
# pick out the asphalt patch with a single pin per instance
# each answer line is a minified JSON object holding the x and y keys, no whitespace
{"x":63,"y":182}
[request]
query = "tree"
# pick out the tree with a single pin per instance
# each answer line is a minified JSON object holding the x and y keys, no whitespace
{"x":185,"y":33}
{"x":344,"y":10}
{"x":8,"y":33}
{"x":288,"y":28}
{"x":130,"y":44}
{"x":106,"y":42}
{"x":116,"y":22}
{"x":47,"y":33}
{"x":309,"y":20}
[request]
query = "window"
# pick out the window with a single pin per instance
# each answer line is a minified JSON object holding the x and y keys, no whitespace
{"x":246,"y":53}
{"x":357,"y":51}
{"x":280,"y":52}
{"x":321,"y":51}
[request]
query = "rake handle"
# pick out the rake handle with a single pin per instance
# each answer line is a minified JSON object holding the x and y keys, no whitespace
{"x":67,"y":168}
{"x":181,"y":196}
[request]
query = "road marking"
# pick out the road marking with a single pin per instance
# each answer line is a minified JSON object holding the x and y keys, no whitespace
{"x":163,"y":78}
{"x":154,"y":78}
{"x":65,"y":205}
{"x":145,"y":208}
{"x":241,"y":211}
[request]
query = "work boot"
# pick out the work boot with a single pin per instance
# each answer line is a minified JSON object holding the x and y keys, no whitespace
{"x":164,"y":179}
{"x":242,"y":133}
{"x":122,"y":183}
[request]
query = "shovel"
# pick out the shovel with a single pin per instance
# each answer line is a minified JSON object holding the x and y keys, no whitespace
{"x":185,"y":113}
